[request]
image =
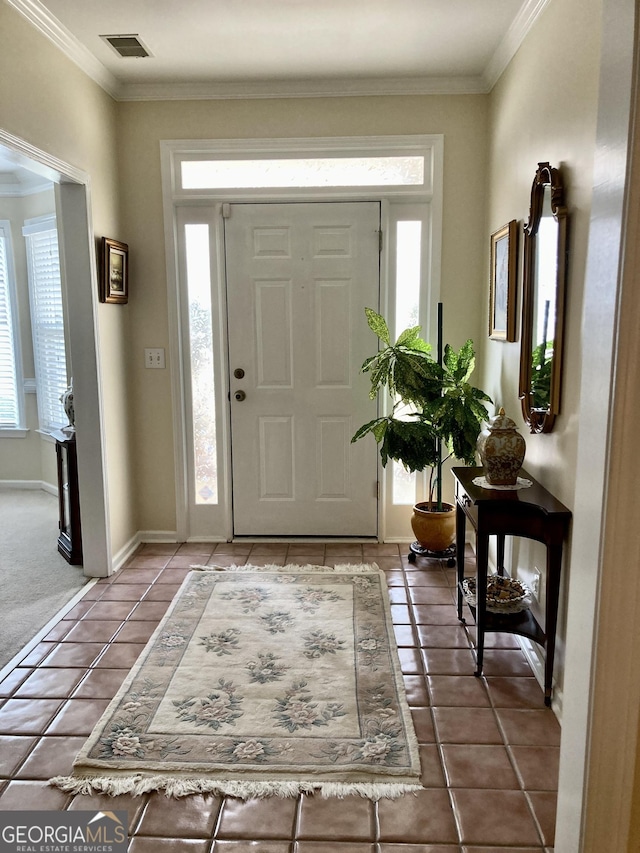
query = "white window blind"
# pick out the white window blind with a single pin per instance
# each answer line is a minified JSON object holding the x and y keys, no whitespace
{"x":10,"y":374}
{"x":47,"y":320}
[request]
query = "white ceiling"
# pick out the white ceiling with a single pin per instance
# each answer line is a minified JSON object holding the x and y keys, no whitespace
{"x":16,"y":181}
{"x":241,"y":48}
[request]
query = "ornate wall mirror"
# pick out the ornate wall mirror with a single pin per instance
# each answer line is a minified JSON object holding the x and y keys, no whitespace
{"x":544,"y":279}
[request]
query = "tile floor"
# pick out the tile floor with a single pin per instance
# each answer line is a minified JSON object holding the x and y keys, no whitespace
{"x":488,"y":745}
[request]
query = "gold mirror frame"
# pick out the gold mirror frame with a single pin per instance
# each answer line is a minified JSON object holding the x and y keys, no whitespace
{"x":541,"y":418}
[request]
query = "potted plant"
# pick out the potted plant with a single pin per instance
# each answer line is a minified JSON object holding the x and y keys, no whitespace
{"x":433,"y":407}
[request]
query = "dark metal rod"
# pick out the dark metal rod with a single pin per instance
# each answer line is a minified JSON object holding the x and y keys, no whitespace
{"x":439,"y":448}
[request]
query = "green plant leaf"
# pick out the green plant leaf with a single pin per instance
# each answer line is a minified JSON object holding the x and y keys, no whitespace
{"x":378,"y":325}
{"x":380,"y":369}
{"x":460,"y":364}
{"x":366,"y":428}
{"x":366,"y":364}
{"x":421,"y":345}
{"x":413,"y":443}
{"x":416,"y":376}
{"x":379,"y":429}
{"x":407,"y":337}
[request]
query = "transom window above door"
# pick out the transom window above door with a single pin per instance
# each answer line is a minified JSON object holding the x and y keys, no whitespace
{"x":309,"y":172}
{"x":400,"y":166}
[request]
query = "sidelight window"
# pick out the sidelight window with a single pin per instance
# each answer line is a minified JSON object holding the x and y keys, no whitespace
{"x":201,"y":367}
{"x":408,"y":277}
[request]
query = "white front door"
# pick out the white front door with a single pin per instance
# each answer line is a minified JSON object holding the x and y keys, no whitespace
{"x":298,"y":279}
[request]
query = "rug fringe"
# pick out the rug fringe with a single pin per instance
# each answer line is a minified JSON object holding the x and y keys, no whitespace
{"x":343,"y":568}
{"x":172,"y":787}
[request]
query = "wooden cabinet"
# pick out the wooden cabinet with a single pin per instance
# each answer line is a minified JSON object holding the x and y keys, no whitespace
{"x":531,"y":512}
{"x":70,"y":533}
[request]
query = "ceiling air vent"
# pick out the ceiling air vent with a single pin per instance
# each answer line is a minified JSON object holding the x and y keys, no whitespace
{"x":129,"y":45}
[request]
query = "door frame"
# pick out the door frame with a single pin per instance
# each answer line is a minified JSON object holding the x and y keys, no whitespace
{"x":78,"y":267}
{"x":176,"y":199}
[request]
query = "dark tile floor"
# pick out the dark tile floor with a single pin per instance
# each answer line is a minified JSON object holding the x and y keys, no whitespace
{"x":489,"y":747}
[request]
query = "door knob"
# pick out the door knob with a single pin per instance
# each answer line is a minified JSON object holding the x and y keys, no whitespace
{"x":238,"y":373}
{"x":240,"y":396}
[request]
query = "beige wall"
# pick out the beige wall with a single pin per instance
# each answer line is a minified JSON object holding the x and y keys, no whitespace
{"x":462,"y":120}
{"x":544,"y":108}
{"x":49,"y":103}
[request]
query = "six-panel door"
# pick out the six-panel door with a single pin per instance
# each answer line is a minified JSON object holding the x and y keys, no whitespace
{"x":299,"y":276}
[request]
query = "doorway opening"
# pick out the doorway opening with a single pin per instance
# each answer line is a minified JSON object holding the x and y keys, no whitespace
{"x":77,"y":266}
{"x":224,"y":295}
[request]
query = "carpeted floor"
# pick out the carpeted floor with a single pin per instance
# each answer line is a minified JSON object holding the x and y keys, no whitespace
{"x":35,"y":581}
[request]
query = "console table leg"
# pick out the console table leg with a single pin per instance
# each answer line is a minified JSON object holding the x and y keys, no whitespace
{"x":482,"y":563}
{"x":460,"y":534}
{"x":554,"y":561}
{"x":500,"y":553}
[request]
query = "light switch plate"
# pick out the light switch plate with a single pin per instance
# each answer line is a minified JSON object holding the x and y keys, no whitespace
{"x":534,"y":582}
{"x":154,"y":358}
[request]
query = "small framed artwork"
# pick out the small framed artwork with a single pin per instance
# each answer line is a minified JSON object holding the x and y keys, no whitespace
{"x":504,"y":268}
{"x":114,"y":272}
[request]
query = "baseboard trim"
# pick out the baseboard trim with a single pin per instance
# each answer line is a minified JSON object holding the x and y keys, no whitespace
{"x":407,"y":540}
{"x":152,"y":536}
{"x":169,"y":536}
{"x":535,"y":658}
{"x":30,"y":485}
{"x":120,"y":557}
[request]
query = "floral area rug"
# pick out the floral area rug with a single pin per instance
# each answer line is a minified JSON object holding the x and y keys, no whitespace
{"x":261,"y":682}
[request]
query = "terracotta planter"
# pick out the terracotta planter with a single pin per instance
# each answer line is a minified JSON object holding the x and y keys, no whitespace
{"x":435,"y":531}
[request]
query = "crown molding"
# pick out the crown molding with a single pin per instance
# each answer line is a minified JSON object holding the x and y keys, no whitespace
{"x":27,"y":156}
{"x":74,"y":50}
{"x":512,"y":40}
{"x":52,"y":29}
{"x":332,"y":88}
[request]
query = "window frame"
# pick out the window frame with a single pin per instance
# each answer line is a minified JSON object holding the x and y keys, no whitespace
{"x":47,"y":423}
{"x":17,"y":430}
{"x":175,"y":152}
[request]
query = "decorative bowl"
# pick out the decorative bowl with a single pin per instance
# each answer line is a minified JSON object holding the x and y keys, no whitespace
{"x":504,"y":594}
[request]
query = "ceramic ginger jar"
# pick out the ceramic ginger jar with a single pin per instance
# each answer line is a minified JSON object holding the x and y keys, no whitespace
{"x":501,"y":449}
{"x":66,"y":398}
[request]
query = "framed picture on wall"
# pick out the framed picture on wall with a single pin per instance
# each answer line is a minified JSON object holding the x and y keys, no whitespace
{"x":502,"y":292}
{"x":114,"y":271}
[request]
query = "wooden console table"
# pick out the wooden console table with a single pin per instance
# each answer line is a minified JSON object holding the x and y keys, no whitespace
{"x":70,"y":533}
{"x":529,"y":512}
